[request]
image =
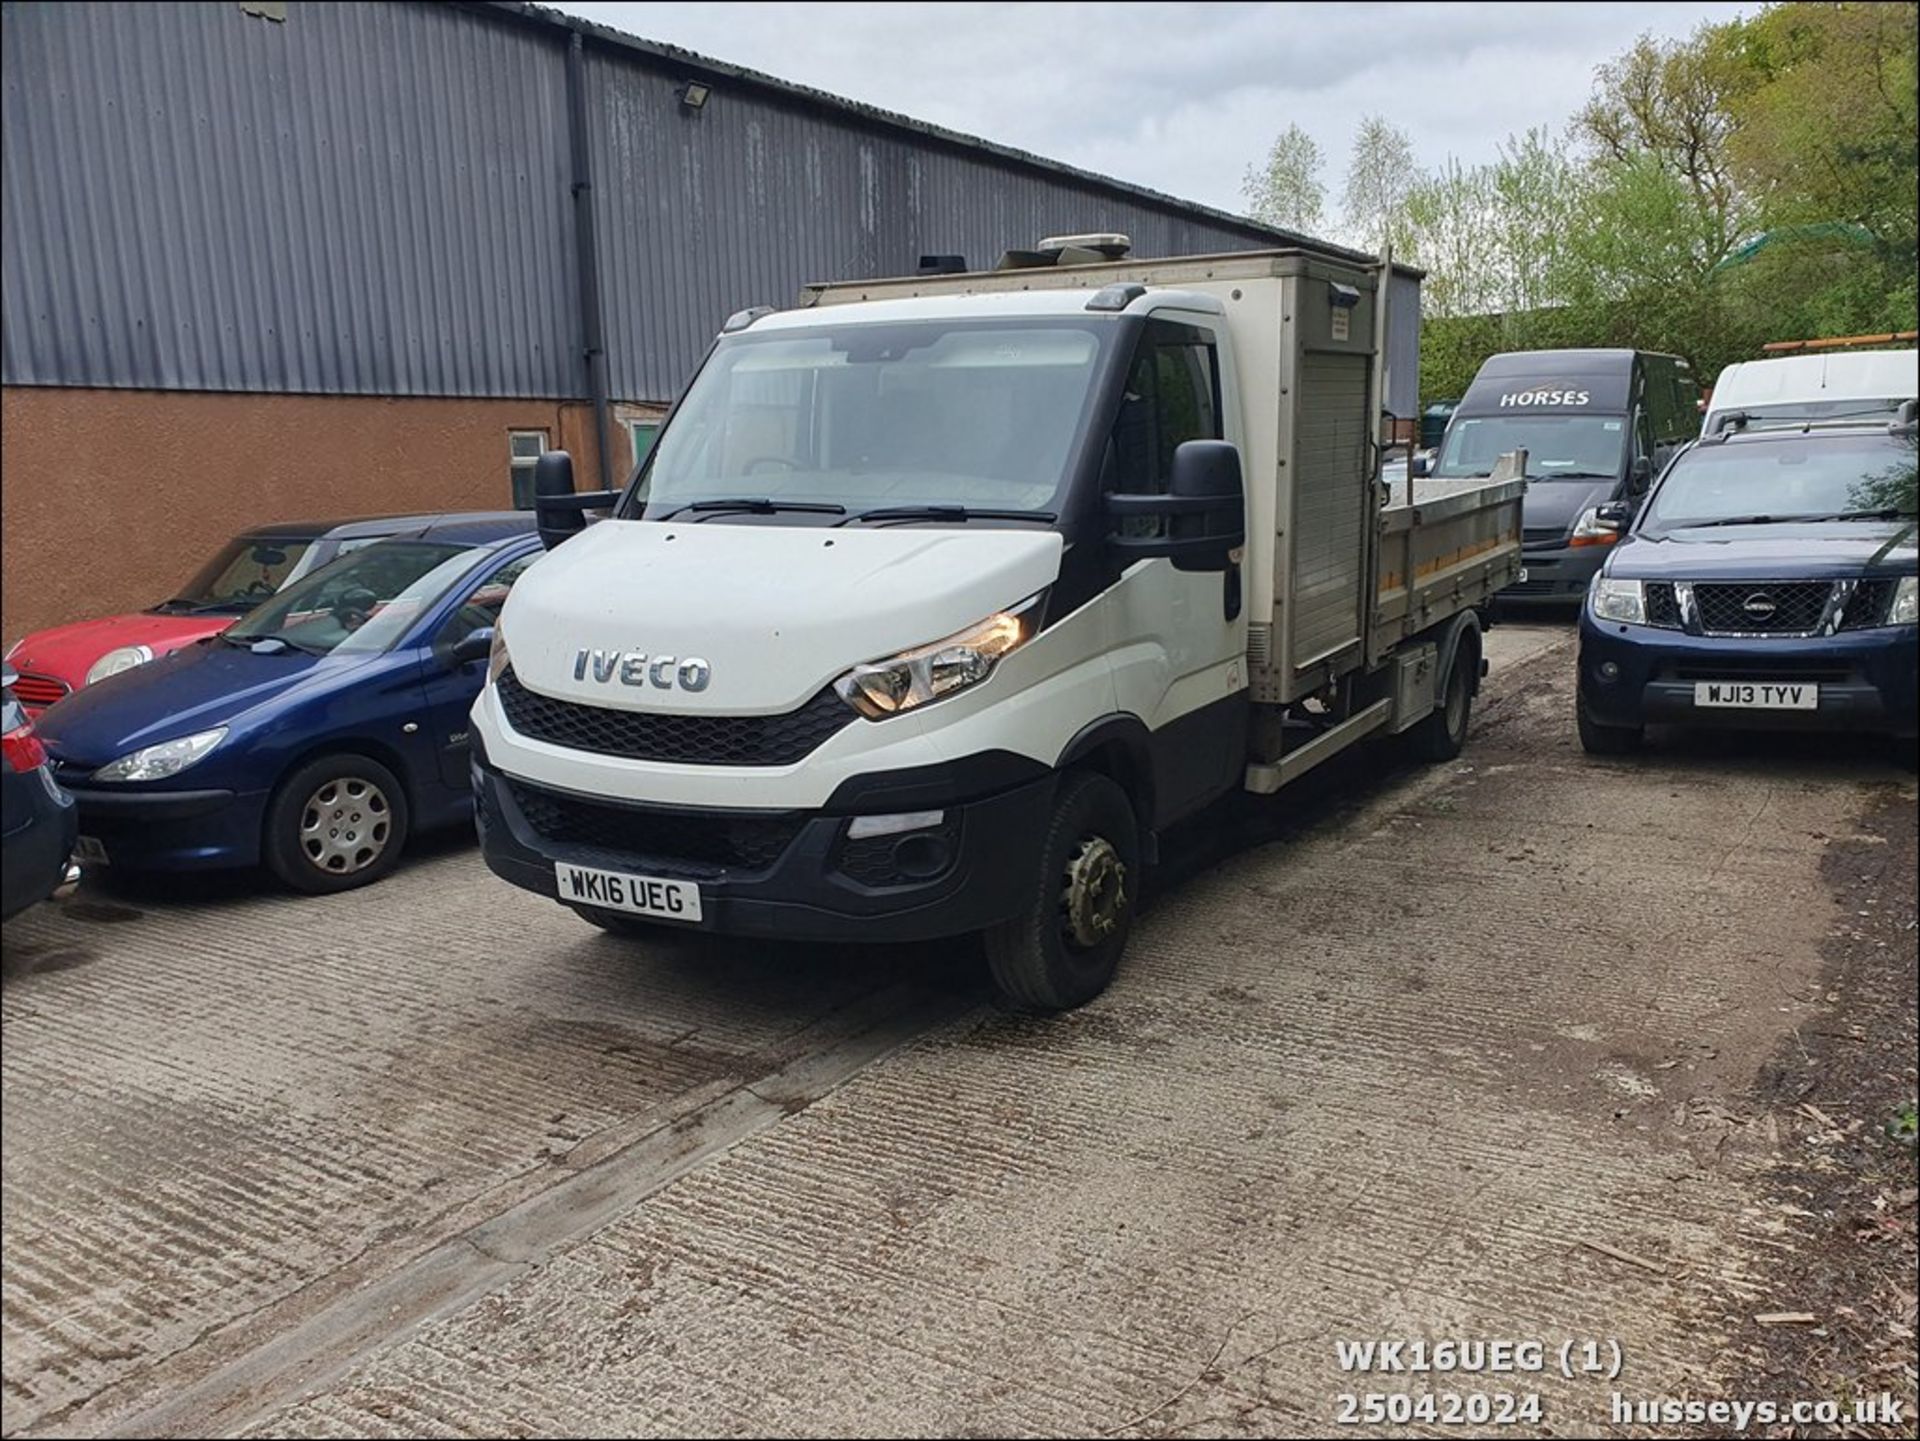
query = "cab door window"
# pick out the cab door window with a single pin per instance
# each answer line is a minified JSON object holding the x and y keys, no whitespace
{"x":1172,"y":396}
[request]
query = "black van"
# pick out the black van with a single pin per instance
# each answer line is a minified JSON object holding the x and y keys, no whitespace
{"x":1597,"y":426}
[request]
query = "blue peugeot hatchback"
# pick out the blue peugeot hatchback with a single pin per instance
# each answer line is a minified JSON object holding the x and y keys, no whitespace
{"x":314,"y":734}
{"x":1768,"y":582}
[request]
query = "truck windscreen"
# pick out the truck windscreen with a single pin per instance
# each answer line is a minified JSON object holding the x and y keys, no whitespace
{"x":861,"y":416}
{"x":1558,"y":447}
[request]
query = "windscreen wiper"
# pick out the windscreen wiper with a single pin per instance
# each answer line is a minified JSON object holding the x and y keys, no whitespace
{"x":1885,"y":513}
{"x":1744,"y":520}
{"x":946,"y":512}
{"x":754,"y":505}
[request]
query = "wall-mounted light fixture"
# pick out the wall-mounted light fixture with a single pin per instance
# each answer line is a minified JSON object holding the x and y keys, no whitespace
{"x":694,"y":95}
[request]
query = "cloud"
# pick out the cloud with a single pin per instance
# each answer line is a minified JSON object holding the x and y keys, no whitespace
{"x":1184,"y":97}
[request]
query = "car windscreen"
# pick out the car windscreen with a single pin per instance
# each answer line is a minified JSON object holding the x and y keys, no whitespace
{"x":1558,"y":447}
{"x":869,"y":415}
{"x":362,"y":602}
{"x":1782,"y":478}
{"x":245,"y":572}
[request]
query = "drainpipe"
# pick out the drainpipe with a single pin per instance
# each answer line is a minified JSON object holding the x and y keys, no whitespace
{"x":587,"y":255}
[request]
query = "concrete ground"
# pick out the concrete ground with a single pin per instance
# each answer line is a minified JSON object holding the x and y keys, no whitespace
{"x":1467,"y":1052}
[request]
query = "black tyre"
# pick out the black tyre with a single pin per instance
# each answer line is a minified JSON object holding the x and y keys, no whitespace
{"x":1062,"y":951}
{"x":335,"y":823}
{"x":613,"y":923}
{"x":1605,"y":740}
{"x":1442,"y":734}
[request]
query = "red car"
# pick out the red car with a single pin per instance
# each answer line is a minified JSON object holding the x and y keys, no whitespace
{"x":252,"y":566}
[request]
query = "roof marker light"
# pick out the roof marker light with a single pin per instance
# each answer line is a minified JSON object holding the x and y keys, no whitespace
{"x":1115,"y":297}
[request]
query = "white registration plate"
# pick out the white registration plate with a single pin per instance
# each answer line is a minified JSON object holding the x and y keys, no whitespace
{"x":90,"y":851}
{"x":1756,"y":695}
{"x":642,"y":895}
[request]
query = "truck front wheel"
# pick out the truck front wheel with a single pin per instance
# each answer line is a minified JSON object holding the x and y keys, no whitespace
{"x":1443,"y":733}
{"x":1062,"y":950}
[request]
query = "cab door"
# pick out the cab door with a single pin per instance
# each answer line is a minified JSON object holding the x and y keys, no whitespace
{"x":453,"y":686}
{"x":1177,"y":638}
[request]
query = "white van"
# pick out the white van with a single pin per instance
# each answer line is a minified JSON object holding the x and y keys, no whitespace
{"x":1830,"y":386}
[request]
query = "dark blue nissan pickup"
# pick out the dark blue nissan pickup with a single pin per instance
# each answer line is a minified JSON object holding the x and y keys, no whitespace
{"x":1767,"y":582}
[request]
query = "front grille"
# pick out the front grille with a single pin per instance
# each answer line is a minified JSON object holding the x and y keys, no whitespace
{"x":1815,"y":669}
{"x":703,"y":842}
{"x":1788,"y":607}
{"x":1663,"y":608}
{"x":39,"y":691}
{"x":1543,"y":535}
{"x":701,"y":740}
{"x":1868,"y":605}
{"x":1531,"y":587}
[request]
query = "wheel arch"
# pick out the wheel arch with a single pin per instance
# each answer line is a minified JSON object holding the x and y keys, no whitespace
{"x":1120,"y":748}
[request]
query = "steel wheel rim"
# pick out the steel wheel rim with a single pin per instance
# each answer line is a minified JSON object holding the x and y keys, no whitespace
{"x":345,"y":825}
{"x":1093,"y":896}
{"x":1456,"y":701}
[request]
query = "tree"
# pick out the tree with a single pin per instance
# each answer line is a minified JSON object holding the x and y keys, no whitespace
{"x":1380,"y":174}
{"x":1668,"y":105}
{"x":1286,"y":191}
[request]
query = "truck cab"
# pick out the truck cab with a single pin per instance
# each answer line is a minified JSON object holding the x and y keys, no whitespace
{"x":937,"y":601}
{"x":1597,"y":427}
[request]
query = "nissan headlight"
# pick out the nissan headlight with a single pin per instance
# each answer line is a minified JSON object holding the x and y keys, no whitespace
{"x":497,"y":657}
{"x":169,"y":758}
{"x":125,"y":657}
{"x":1906,"y":602}
{"x":1622,"y":600}
{"x":928,"y":672}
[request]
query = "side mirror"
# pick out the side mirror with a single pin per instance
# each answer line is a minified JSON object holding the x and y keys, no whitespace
{"x":1614,"y":515}
{"x":474,"y":645}
{"x":1205,"y":511}
{"x":1420,"y":467}
{"x":552,"y":479}
{"x":559,"y":512}
{"x":1640,"y":475}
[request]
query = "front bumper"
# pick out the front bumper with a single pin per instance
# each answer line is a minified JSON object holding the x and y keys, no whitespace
{"x":788,"y":874}
{"x":1557,"y":574}
{"x":172,"y":830}
{"x":1866,"y":678}
{"x":33,"y":861}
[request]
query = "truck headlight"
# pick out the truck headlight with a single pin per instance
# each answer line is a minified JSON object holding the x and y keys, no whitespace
{"x":125,"y":657}
{"x":928,"y":672}
{"x":497,"y":657}
{"x":1906,"y":602}
{"x":1591,"y":530}
{"x":1622,"y":600}
{"x":169,"y":758}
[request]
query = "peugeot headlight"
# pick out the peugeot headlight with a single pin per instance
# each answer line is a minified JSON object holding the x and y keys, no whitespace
{"x":1622,"y":600}
{"x":928,"y":672}
{"x":169,"y":758}
{"x":497,"y":657}
{"x":1906,"y":602}
{"x":125,"y":657}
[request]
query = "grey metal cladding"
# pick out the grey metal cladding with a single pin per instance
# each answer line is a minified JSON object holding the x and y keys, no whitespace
{"x":374,"y":199}
{"x":365,"y":198}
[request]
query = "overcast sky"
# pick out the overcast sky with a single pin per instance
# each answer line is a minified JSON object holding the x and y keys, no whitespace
{"x":1183,"y":97}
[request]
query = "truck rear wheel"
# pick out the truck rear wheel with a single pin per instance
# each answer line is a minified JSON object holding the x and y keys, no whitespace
{"x":1063,"y":949}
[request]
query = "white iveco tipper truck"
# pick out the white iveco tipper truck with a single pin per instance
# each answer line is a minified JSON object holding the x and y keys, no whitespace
{"x":938,"y":600}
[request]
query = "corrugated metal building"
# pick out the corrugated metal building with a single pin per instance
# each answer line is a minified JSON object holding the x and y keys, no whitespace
{"x":266,"y":259}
